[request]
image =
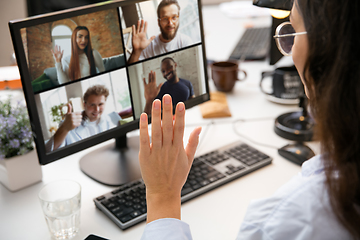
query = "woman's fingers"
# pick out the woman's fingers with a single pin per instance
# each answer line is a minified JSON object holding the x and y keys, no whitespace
{"x":145,"y":27}
{"x":179,"y":124}
{"x":144,"y":136}
{"x":192,"y":144}
{"x":138,"y":27}
{"x":142,"y":26}
{"x":167,"y":121}
{"x":156,"y":131}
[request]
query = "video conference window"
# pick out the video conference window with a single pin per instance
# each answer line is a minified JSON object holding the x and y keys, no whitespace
{"x":152,"y":28}
{"x":180,"y":74}
{"x":74,"y":48}
{"x":85,"y":84}
{"x":83,"y":109}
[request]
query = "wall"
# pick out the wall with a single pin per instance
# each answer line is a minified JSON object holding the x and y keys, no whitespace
{"x":9,"y":10}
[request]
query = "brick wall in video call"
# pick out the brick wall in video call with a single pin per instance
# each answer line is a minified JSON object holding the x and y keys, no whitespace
{"x":104,"y":31}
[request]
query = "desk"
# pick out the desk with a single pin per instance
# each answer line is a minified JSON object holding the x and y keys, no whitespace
{"x":22,"y":217}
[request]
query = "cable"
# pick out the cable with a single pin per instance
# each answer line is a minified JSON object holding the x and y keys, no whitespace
{"x":249,"y":139}
{"x":213,"y":122}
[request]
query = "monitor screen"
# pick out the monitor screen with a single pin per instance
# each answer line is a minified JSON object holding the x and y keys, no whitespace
{"x":89,"y":72}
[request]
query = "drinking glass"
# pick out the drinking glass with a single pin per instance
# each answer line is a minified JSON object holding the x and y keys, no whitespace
{"x":61,"y":201}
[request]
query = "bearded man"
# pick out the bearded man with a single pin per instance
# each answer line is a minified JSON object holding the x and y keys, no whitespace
{"x":169,"y":39}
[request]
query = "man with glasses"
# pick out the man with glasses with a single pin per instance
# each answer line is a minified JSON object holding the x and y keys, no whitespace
{"x":168,"y":40}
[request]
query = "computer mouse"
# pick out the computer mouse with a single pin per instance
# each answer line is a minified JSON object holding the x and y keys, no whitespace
{"x":296,"y":153}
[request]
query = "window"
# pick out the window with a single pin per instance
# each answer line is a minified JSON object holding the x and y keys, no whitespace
{"x":61,"y":36}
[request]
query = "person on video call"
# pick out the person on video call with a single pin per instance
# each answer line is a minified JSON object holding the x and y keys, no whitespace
{"x":80,"y":125}
{"x":169,"y":39}
{"x":179,"y":89}
{"x":83,"y":61}
{"x":323,"y":200}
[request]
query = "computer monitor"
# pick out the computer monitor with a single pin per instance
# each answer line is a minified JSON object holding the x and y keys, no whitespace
{"x":36,"y":7}
{"x":81,"y":89}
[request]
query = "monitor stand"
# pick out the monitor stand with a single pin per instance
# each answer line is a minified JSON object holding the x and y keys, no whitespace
{"x":113,"y":164}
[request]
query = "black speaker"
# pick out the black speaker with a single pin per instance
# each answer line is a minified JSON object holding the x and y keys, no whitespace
{"x":296,"y":126}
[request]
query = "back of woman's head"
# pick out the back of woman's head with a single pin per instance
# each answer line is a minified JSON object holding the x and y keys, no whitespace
{"x":74,"y":67}
{"x":332,"y":75}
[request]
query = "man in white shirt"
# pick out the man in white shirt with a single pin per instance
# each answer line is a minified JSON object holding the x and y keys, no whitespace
{"x":168,"y":13}
{"x":80,"y":125}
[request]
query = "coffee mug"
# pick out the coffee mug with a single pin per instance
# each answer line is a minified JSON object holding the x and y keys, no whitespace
{"x":286,"y":85}
{"x":225,"y":74}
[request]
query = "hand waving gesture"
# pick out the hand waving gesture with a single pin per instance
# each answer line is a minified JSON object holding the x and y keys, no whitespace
{"x":164,"y":162}
{"x":57,"y":53}
{"x":151,"y":90}
{"x":139,"y":38}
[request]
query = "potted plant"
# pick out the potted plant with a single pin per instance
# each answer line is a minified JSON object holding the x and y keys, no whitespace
{"x":57,"y":114}
{"x":19,"y":165}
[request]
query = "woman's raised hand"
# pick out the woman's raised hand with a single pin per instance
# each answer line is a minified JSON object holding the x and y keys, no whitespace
{"x":164,"y":161}
{"x":57,"y":53}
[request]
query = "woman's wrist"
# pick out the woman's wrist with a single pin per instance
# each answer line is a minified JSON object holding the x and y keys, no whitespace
{"x":166,"y":205}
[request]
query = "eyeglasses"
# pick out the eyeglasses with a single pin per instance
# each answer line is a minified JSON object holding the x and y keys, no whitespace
{"x":284,"y":37}
{"x":165,"y":20}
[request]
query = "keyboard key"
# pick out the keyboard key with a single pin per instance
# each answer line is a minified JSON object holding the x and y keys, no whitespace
{"x":185,"y":191}
{"x":124,"y":212}
{"x":126,"y":218}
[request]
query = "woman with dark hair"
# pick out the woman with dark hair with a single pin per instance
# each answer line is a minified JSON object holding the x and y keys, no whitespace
{"x":323,"y":200}
{"x":84,"y":61}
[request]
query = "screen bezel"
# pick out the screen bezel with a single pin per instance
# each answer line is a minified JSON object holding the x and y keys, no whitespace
{"x":15,"y":27}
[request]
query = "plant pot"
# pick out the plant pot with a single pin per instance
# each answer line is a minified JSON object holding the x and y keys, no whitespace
{"x":20,"y":171}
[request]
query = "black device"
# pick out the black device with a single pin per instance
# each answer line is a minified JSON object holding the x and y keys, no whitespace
{"x":94,"y":237}
{"x":108,"y":24}
{"x":297,"y":126}
{"x":297,"y":152}
{"x":275,"y":4}
{"x":286,"y":5}
{"x":253,"y":45}
{"x":36,"y":7}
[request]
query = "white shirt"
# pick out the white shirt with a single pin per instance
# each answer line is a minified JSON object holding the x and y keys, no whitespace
{"x":63,"y":68}
{"x":298,"y":210}
{"x":86,"y":129}
{"x":157,"y":47}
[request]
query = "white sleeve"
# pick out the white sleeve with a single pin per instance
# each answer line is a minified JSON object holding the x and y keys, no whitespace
{"x":49,"y":145}
{"x":167,"y":229}
{"x":186,"y":40}
{"x":62,"y":71}
{"x":99,"y":64}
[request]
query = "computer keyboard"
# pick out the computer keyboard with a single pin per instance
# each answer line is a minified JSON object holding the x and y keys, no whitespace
{"x":126,"y":205}
{"x":254,"y":44}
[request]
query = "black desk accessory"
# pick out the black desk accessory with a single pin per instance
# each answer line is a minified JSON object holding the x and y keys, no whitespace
{"x":297,"y":153}
{"x":94,"y":237}
{"x":299,"y":127}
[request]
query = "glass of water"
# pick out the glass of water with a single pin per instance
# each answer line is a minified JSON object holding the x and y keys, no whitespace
{"x":61,"y":201}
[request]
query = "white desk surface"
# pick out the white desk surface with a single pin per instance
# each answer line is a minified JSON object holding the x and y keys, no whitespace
{"x":214,"y":215}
